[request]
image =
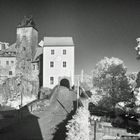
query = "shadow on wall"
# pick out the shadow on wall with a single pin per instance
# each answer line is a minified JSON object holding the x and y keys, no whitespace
{"x":41,"y":70}
{"x":25,"y":126}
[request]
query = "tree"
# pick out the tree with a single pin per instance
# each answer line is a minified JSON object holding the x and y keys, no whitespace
{"x":132,"y":78}
{"x":135,"y":82}
{"x":137,"y":48}
{"x":110,"y":77}
{"x":79,"y":127}
{"x":138,"y":80}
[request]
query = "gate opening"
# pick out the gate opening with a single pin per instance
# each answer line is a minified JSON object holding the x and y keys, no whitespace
{"x":65,"y":83}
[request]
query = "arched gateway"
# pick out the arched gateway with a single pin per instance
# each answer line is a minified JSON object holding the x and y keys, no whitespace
{"x":65,"y":82}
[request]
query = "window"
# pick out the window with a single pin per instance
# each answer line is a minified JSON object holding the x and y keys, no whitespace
{"x":12,"y":62}
{"x":64,"y":64}
{"x":64,"y":52}
{"x":10,"y":72}
{"x":33,"y":67}
{"x":52,"y":52}
{"x":24,"y":48}
{"x":7,"y":62}
{"x":51,"y":64}
{"x":3,"y":47}
{"x":51,"y":80}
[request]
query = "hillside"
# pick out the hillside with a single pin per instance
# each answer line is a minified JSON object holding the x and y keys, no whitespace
{"x":43,"y":125}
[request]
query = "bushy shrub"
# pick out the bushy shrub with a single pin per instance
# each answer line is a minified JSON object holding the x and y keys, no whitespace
{"x":79,"y":127}
{"x":15,"y":103}
{"x":44,"y":93}
{"x":109,"y":76}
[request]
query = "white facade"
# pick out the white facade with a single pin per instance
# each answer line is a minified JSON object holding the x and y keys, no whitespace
{"x":58,"y":61}
{"x":7,"y":66}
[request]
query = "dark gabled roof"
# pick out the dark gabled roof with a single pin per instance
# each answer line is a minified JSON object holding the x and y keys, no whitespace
{"x":9,"y":52}
{"x":12,"y":48}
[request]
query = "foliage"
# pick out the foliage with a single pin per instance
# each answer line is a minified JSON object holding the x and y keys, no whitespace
{"x":85,"y":86}
{"x":97,"y":95}
{"x":138,"y":80}
{"x":78,"y":127}
{"x":88,"y":80}
{"x":132,"y":78}
{"x":15,"y":103}
{"x":44,"y":93}
{"x":137,"y":96}
{"x":12,"y":89}
{"x":127,"y":121}
{"x":110,"y":77}
{"x":119,"y":93}
{"x":118,"y":122}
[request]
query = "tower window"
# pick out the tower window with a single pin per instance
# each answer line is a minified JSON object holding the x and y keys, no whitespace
{"x":7,"y":62}
{"x":64,"y":64}
{"x":52,"y":52}
{"x":24,"y":48}
{"x":10,"y":72}
{"x":64,"y":52}
{"x":51,"y":80}
{"x":33,"y":67}
{"x":3,"y":46}
{"x":51,"y":64}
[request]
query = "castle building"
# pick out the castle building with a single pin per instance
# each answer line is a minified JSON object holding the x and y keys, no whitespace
{"x":19,"y":58}
{"x":7,"y":60}
{"x":58,"y":61}
{"x":50,"y":64}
